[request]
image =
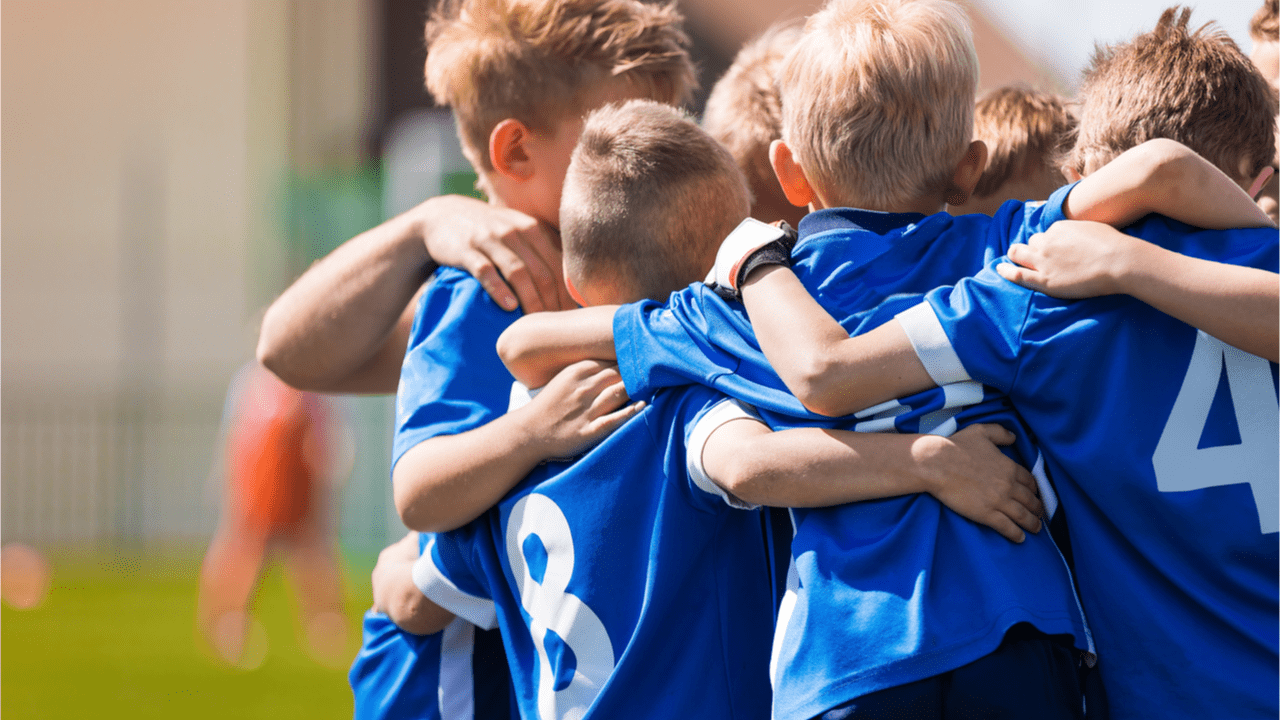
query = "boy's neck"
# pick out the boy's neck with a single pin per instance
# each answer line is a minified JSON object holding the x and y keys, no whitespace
{"x":929,"y":205}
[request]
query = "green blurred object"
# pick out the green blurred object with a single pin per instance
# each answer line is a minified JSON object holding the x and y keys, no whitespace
{"x":115,"y":638}
{"x":460,"y":182}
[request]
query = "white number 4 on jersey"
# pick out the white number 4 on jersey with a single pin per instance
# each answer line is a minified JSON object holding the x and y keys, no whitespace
{"x":1180,"y":465}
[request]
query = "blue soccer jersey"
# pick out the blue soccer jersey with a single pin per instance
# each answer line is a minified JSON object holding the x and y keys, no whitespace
{"x":452,"y":379}
{"x":891,"y":591}
{"x":624,"y":587}
{"x":459,"y":673}
{"x":1162,"y":442}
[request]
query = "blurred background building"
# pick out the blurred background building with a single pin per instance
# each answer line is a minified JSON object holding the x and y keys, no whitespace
{"x":169,"y":166}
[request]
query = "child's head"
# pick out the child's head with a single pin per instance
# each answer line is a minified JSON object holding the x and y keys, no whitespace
{"x":1264,"y":30}
{"x":520,"y":75}
{"x":1194,"y":87}
{"x":744,"y":113}
{"x":1025,"y":132}
{"x":877,"y":105}
{"x":647,"y":200}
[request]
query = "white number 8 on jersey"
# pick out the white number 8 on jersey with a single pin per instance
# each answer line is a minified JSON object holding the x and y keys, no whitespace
{"x":550,"y":607}
{"x":1180,"y":465}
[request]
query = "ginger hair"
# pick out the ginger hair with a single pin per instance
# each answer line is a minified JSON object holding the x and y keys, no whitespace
{"x":1195,"y":87}
{"x":744,"y":111}
{"x":1025,"y":131}
{"x":1265,"y":26}
{"x":537,"y":60}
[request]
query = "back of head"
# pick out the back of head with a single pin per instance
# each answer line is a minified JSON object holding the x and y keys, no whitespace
{"x":877,"y":99}
{"x":647,"y":199}
{"x":1195,"y":87}
{"x":1026,"y":132}
{"x":538,"y":60}
{"x":744,"y":112}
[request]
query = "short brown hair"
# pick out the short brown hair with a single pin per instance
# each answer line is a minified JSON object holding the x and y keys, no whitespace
{"x":1025,"y":131}
{"x":877,"y":99}
{"x":647,"y":199}
{"x":744,"y":111}
{"x":533,"y":60}
{"x":1265,"y":26}
{"x":1197,"y":88}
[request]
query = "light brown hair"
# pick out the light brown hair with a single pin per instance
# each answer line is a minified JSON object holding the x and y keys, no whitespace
{"x":647,"y":199}
{"x":534,"y":60}
{"x":1265,"y":26}
{"x":1197,"y":88}
{"x":1025,"y":131}
{"x":744,"y":111}
{"x":877,"y":99}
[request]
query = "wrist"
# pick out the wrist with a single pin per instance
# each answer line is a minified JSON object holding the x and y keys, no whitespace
{"x":930,"y":455}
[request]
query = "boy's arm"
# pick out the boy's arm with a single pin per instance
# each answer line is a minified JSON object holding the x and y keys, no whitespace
{"x":813,"y":467}
{"x":829,"y":372}
{"x":446,"y":481}
{"x":395,"y":593}
{"x":1238,"y":305}
{"x":833,"y":374}
{"x":1163,"y":176}
{"x":344,"y":324}
{"x":537,"y":347}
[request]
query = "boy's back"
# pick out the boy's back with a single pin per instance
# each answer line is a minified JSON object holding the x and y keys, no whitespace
{"x":620,"y":584}
{"x":931,"y":590}
{"x":1162,"y":442}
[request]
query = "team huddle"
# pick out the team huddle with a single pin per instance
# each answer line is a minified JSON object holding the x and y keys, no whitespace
{"x":990,"y":434}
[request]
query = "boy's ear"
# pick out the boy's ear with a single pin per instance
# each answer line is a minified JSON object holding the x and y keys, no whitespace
{"x":968,"y":173}
{"x":795,"y":184}
{"x":1070,"y":173}
{"x":508,"y":151}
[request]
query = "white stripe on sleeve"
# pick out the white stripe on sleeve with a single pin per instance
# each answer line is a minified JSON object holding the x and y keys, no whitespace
{"x":719,"y":414}
{"x":441,"y":591}
{"x":932,"y":345}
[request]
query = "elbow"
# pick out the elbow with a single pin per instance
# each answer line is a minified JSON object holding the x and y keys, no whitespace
{"x":273,"y":353}
{"x":513,"y":350}
{"x":812,"y":384}
{"x":746,"y":479}
{"x":412,"y":612}
{"x":415,"y":508}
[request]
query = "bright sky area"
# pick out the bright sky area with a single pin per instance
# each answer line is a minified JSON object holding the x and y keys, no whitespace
{"x":1061,"y":33}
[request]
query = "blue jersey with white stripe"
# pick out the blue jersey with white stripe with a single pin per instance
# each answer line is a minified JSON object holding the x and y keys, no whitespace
{"x":1162,"y":442}
{"x":459,"y":673}
{"x":623,"y":588}
{"x":452,"y":381}
{"x":888,"y":591}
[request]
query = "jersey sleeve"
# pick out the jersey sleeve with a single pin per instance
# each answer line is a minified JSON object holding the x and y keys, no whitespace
{"x":446,"y":574}
{"x":452,"y":379}
{"x":707,"y":422}
{"x":970,"y":331}
{"x":666,"y":345}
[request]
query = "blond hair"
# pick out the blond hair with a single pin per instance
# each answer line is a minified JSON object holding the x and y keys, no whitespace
{"x":877,"y":99}
{"x":744,"y":112}
{"x":535,"y":60}
{"x":1026,"y":132}
{"x":1194,"y":87}
{"x":647,"y":199}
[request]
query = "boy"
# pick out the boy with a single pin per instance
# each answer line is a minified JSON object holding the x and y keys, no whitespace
{"x":641,"y":552}
{"x":519,"y":76}
{"x":1024,"y":131}
{"x":744,"y":114}
{"x":459,"y":673}
{"x":893,"y":257}
{"x":1161,"y":439}
{"x":893,"y":596}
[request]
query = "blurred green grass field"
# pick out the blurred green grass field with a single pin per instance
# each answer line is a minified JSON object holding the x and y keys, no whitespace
{"x":115,"y":638}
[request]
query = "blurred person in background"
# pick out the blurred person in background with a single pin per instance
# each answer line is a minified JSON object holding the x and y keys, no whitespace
{"x":281,"y":453}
